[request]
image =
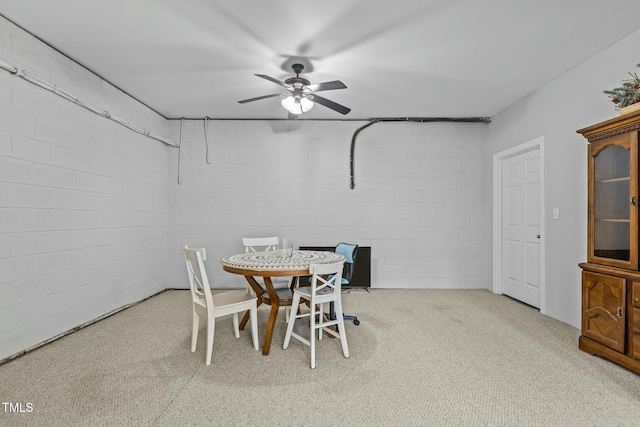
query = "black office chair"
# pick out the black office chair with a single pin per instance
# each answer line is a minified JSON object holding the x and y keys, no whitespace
{"x":349,"y":251}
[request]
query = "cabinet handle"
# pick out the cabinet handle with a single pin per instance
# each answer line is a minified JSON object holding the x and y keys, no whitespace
{"x":619,"y":311}
{"x":632,"y":200}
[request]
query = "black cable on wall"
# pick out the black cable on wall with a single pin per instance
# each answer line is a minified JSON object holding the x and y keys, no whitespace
{"x":405,"y":119}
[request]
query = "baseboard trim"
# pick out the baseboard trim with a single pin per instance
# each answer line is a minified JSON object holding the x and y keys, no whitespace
{"x":77,"y":328}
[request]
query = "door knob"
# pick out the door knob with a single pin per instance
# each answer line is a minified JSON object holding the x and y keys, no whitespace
{"x":538,"y":236}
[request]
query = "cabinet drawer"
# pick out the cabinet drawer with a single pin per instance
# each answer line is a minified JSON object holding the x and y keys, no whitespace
{"x":635,"y":295}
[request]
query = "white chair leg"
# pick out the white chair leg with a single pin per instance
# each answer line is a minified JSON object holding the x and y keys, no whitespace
{"x":211,"y":326}
{"x":292,"y":320}
{"x":236,"y":328}
{"x":312,"y":338}
{"x":320,"y":321}
{"x":343,"y":332}
{"x":254,"y":327}
{"x":195,"y":324}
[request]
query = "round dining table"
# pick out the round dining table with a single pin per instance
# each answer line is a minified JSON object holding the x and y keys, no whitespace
{"x":274,"y":264}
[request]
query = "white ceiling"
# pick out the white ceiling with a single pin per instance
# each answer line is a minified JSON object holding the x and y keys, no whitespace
{"x":403,"y":58}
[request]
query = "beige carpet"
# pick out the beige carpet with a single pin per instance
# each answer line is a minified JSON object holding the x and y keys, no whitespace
{"x":419,"y":358}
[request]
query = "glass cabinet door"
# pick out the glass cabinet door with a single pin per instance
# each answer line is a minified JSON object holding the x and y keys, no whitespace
{"x":613,"y":233}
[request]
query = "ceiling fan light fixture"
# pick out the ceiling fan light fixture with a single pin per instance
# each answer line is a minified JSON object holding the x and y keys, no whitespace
{"x":297,"y":105}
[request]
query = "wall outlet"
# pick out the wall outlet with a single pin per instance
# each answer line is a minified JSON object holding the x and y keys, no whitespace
{"x":556,"y":213}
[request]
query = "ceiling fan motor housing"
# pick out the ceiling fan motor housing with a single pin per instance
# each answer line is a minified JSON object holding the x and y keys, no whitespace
{"x":297,"y":82}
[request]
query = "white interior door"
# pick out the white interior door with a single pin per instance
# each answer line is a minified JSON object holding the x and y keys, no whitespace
{"x":521,"y":237}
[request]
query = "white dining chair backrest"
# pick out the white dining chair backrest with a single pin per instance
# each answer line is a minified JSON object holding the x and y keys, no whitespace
{"x":198,"y":281}
{"x":211,"y":306}
{"x":331,"y":285}
{"x":254,"y":244}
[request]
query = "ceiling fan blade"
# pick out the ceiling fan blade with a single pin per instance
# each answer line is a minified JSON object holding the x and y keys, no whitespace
{"x":258,"y":98}
{"x":330,"y":104}
{"x":278,"y":82}
{"x":336,"y":84}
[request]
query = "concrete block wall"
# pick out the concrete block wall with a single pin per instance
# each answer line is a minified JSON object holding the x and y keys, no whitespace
{"x":83,"y":200}
{"x":419,"y":199}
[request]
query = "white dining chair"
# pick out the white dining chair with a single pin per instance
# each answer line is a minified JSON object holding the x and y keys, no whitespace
{"x":326,"y":281}
{"x":210,"y":305}
{"x":268,"y":244}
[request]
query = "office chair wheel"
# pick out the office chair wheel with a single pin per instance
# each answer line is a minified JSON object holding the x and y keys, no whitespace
{"x":356,"y":322}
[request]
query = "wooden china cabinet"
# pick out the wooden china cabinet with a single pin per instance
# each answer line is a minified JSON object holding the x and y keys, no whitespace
{"x":610,"y":277}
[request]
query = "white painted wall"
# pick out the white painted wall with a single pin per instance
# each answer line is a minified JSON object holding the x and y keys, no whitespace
{"x":573,"y":101}
{"x":419,"y":199}
{"x":83,"y":200}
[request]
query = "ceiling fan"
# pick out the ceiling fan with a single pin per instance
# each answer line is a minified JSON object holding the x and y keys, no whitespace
{"x":300,"y":96}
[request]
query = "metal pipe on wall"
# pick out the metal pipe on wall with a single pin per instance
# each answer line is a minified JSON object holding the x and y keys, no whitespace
{"x":404,"y":119}
{"x":70,"y":97}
